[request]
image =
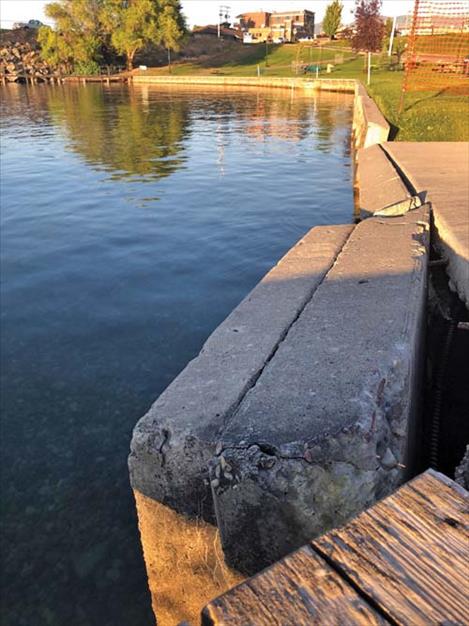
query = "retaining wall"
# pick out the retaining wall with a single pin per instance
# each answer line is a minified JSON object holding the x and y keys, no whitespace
{"x":369,"y":124}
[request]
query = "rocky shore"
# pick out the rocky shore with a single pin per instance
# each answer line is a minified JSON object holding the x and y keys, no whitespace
{"x":22,"y":62}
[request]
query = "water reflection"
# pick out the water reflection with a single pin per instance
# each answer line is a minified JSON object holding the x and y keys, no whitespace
{"x":122,"y":249}
{"x":121,"y":132}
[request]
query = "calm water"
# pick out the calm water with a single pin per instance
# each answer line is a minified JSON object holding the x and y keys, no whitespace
{"x":133,"y":220}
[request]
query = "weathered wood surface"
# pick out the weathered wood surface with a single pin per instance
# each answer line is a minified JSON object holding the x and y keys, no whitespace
{"x":409,"y":553}
{"x":300,"y":590}
{"x":405,"y":561}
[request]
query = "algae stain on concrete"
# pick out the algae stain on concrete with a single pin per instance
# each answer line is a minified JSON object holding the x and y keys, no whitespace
{"x":184,"y":561}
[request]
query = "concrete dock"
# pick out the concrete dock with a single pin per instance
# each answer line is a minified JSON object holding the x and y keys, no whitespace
{"x":303,"y":407}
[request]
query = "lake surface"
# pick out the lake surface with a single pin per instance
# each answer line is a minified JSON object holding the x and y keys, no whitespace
{"x":133,"y":221}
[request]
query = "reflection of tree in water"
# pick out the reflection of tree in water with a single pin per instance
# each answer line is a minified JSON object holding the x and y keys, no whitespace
{"x":125,"y":135}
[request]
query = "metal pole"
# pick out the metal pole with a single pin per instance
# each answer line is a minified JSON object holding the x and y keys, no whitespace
{"x":393,"y":31}
{"x":369,"y":69}
{"x":410,"y":54}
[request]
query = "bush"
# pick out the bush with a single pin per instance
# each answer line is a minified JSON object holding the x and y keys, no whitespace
{"x":87,"y":68}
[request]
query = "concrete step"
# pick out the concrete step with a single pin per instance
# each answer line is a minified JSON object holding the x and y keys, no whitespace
{"x":327,"y":427}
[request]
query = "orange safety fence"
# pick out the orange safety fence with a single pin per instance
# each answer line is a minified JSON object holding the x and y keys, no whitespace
{"x":437,"y":55}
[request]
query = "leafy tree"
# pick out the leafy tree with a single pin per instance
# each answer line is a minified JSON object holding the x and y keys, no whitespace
{"x":56,"y":49}
{"x":133,"y":24}
{"x":332,"y":18}
{"x":172,"y":27}
{"x":86,"y":31}
{"x":399,"y":48}
{"x":77,"y":37}
{"x":369,"y":26}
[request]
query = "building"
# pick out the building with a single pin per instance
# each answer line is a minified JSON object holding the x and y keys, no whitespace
{"x":276,"y":26}
{"x":260,"y":19}
{"x":292,"y":24}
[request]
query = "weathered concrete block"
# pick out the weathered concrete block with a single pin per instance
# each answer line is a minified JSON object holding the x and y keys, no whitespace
{"x":174,"y":442}
{"x":326,"y":428}
{"x":380,"y":188}
{"x":369,"y":124}
{"x":461,"y":475}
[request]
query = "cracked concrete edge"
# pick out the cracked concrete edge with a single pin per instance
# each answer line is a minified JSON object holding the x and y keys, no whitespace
{"x":381,"y":191}
{"x":270,"y":499}
{"x":450,"y":248}
{"x":173,"y":443}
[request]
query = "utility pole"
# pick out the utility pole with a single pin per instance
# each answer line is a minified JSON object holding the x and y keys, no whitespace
{"x":393,"y":31}
{"x":223,"y":16}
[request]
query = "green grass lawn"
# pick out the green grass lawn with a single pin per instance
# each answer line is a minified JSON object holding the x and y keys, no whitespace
{"x":427,"y":116}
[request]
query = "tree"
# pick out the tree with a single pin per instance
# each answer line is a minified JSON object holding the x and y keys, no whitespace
{"x":133,"y":24}
{"x":369,"y":26}
{"x":55,"y":48}
{"x":332,"y":18}
{"x":86,"y":31}
{"x":172,"y":27}
{"x":399,"y":48}
{"x":77,"y":37}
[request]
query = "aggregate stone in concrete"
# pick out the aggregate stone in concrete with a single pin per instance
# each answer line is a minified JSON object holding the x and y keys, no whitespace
{"x":461,"y":474}
{"x":381,"y":190}
{"x":440,"y":170}
{"x":326,"y":428}
{"x":173,"y":443}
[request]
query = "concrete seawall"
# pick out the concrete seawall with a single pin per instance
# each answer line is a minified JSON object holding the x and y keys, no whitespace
{"x":303,"y":406}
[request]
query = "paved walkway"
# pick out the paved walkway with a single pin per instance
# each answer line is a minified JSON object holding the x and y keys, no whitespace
{"x":442,"y":170}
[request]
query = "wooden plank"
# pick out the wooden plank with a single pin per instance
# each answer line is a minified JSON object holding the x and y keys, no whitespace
{"x":299,"y":590}
{"x":409,"y":553}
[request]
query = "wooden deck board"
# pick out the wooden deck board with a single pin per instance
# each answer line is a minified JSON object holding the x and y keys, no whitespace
{"x":404,"y":561}
{"x":409,"y":553}
{"x":300,"y":590}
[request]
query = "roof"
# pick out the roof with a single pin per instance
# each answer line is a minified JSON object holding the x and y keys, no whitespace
{"x":212,"y":29}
